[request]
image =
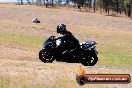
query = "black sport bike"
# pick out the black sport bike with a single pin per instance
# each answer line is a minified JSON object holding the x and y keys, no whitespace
{"x":86,"y":54}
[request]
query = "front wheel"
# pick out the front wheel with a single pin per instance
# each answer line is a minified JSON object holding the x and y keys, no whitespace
{"x":46,"y":56}
{"x":90,"y":60}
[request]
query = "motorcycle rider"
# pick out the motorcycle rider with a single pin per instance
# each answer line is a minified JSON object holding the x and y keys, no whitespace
{"x":70,"y":43}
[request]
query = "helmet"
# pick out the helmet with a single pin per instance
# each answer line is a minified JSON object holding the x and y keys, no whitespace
{"x":61,"y":28}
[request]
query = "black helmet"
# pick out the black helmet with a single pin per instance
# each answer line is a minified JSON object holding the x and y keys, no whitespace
{"x":61,"y":28}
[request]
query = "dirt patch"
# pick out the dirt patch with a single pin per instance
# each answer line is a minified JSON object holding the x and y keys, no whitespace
{"x":17,"y":52}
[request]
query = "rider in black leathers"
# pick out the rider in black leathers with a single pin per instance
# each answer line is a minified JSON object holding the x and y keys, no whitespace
{"x":69,"y":42}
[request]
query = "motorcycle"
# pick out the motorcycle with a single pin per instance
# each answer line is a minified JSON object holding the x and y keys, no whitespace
{"x":86,"y":54}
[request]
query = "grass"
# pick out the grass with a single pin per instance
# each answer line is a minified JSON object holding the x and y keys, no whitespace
{"x":118,"y":60}
{"x":17,"y":82}
{"x":113,"y":36}
{"x":115,"y":54}
{"x":115,"y":48}
{"x":21,"y":39}
{"x":110,"y":52}
{"x":36,"y":77}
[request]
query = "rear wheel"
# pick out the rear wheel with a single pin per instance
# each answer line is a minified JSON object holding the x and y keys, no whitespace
{"x":46,"y":56}
{"x":90,"y":60}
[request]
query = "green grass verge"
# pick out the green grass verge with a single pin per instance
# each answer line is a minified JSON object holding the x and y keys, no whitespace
{"x":22,"y":39}
{"x":115,"y":54}
{"x":114,"y":59}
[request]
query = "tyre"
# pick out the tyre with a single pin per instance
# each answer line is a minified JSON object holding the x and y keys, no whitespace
{"x":81,"y":80}
{"x":90,"y":60}
{"x":46,"y":56}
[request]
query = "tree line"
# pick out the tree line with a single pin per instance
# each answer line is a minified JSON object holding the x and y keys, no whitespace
{"x":106,"y":6}
{"x":118,"y":6}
